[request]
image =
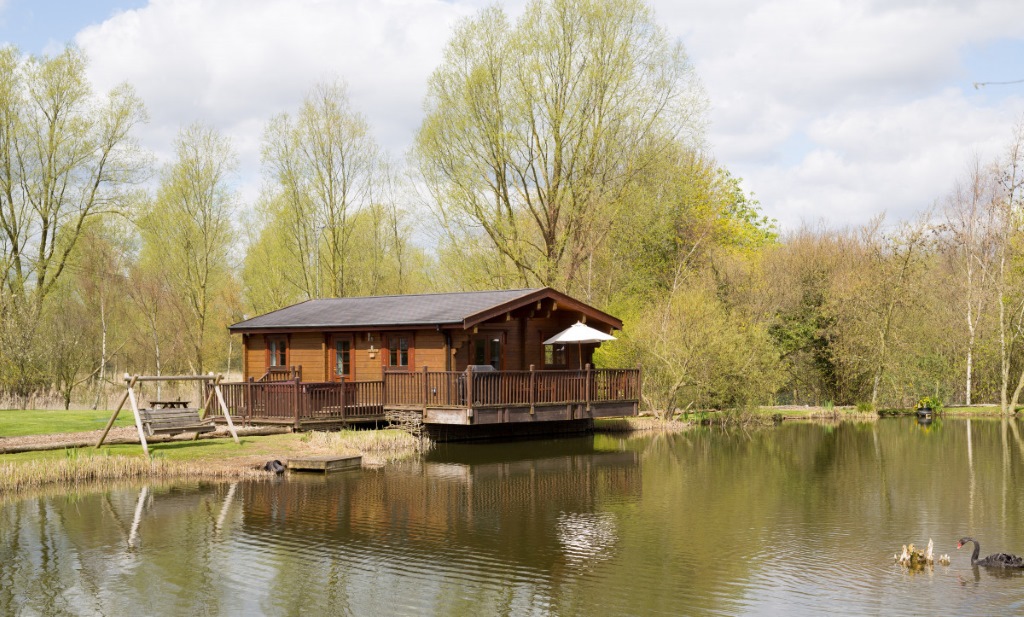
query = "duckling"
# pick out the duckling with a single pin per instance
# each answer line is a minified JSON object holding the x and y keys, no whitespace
{"x":944,"y":560}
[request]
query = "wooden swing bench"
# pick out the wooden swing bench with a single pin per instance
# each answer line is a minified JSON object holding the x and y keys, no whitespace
{"x":171,"y":417}
{"x":172,"y":421}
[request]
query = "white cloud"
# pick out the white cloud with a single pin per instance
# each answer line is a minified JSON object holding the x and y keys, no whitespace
{"x":235,"y":63}
{"x":895,"y":159}
{"x":834,"y":109}
{"x":840,"y":110}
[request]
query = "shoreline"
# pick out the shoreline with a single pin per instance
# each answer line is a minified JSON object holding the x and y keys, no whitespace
{"x":69,"y":461}
{"x":55,"y":461}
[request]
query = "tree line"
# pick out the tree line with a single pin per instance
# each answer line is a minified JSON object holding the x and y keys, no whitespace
{"x":566,"y":149}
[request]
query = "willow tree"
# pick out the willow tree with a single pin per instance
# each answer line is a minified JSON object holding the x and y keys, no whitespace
{"x":323,"y":168}
{"x":534,"y":132}
{"x":188,"y":236}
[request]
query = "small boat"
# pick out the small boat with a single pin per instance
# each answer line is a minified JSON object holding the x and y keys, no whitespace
{"x":924,"y":412}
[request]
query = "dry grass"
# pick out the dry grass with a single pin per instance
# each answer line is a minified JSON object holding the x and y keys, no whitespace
{"x":642,"y":423}
{"x":78,"y":469}
{"x":376,"y":447}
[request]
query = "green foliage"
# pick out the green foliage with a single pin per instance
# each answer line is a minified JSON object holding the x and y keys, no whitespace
{"x":188,"y":241}
{"x":697,"y":353}
{"x":537,"y":133}
{"x":329,"y":223}
{"x":930,"y":402}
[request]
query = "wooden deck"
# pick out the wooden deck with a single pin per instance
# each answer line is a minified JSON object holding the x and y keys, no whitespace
{"x":443,"y":397}
{"x":325,"y":464}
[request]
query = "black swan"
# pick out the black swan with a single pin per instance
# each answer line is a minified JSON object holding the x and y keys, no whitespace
{"x":995,"y":560}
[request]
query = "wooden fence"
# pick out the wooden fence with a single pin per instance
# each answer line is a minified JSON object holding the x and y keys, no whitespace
{"x":297,"y":402}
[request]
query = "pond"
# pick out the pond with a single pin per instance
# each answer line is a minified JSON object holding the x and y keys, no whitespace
{"x":801,"y":519}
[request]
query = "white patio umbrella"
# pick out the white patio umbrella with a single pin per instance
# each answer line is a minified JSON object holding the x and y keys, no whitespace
{"x":579,"y":333}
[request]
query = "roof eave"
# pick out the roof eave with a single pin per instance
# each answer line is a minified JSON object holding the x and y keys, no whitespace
{"x":562,"y":299}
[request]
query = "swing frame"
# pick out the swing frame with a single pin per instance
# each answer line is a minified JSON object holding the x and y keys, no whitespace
{"x":129,"y":396}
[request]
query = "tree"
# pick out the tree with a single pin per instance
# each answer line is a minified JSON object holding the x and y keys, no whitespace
{"x":67,"y":158}
{"x":1009,"y":287}
{"x":189,"y":236}
{"x":323,"y":167}
{"x":63,"y":160}
{"x":697,"y":353}
{"x":535,"y":134}
{"x":971,"y":226}
{"x":873,"y":301}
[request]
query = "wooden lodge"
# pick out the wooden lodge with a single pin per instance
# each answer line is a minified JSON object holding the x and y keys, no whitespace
{"x":468,"y":358}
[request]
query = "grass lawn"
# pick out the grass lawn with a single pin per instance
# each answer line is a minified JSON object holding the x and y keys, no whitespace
{"x":207,"y":458}
{"x":973,"y":410}
{"x":19,"y":422}
{"x":271,"y":446}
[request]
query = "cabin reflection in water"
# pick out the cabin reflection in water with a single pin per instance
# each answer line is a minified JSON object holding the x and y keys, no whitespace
{"x":477,"y":499}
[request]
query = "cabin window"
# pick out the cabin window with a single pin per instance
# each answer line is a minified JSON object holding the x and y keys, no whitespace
{"x":398,"y":346}
{"x":555,"y":356}
{"x":487,"y":351}
{"x":342,"y":358}
{"x":277,"y":351}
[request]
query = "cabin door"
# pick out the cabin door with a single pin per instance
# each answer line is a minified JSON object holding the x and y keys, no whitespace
{"x":340,"y":357}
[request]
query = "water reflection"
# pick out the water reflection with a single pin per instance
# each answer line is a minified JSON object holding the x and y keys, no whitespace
{"x":801,"y":518}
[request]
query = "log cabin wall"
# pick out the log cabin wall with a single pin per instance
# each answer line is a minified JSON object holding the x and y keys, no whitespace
{"x":522,"y":341}
{"x":366,"y":361}
{"x":305,"y":349}
{"x":429,"y":350}
{"x":255,"y":351}
{"x":521,"y":332}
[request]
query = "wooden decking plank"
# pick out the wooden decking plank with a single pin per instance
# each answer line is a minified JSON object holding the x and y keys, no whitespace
{"x":325,"y":464}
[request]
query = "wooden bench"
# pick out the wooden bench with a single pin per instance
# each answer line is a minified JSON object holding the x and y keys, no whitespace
{"x":174,"y":420}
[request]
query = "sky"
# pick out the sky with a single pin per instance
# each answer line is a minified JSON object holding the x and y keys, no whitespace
{"x":831,"y":111}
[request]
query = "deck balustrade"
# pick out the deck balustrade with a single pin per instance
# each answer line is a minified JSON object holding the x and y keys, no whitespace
{"x":297,"y":402}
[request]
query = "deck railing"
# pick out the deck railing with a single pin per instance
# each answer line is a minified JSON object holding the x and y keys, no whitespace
{"x":296,"y":401}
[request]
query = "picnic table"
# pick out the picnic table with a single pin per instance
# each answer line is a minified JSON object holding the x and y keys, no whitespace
{"x":169,"y":404}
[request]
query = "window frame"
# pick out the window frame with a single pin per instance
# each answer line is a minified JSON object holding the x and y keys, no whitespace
{"x":410,"y":349}
{"x":488,"y":339}
{"x":556,"y":351}
{"x":348,"y":373}
{"x":277,"y":349}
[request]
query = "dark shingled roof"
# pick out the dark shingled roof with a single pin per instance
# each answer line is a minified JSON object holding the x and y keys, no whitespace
{"x":383,"y":311}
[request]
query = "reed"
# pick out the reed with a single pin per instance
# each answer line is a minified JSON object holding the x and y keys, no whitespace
{"x":641,"y":423}
{"x":77,"y":468}
{"x":376,"y":447}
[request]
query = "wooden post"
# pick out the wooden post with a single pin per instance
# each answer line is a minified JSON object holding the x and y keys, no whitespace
{"x":426,"y":389}
{"x":117,"y":411}
{"x":224,"y":408}
{"x":469,"y":386}
{"x":295,"y":401}
{"x":344,"y":388}
{"x":586,"y":385}
{"x":248,"y":401}
{"x":639,"y":388}
{"x":138,"y":419}
{"x":209,"y":399}
{"x":533,"y":389}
